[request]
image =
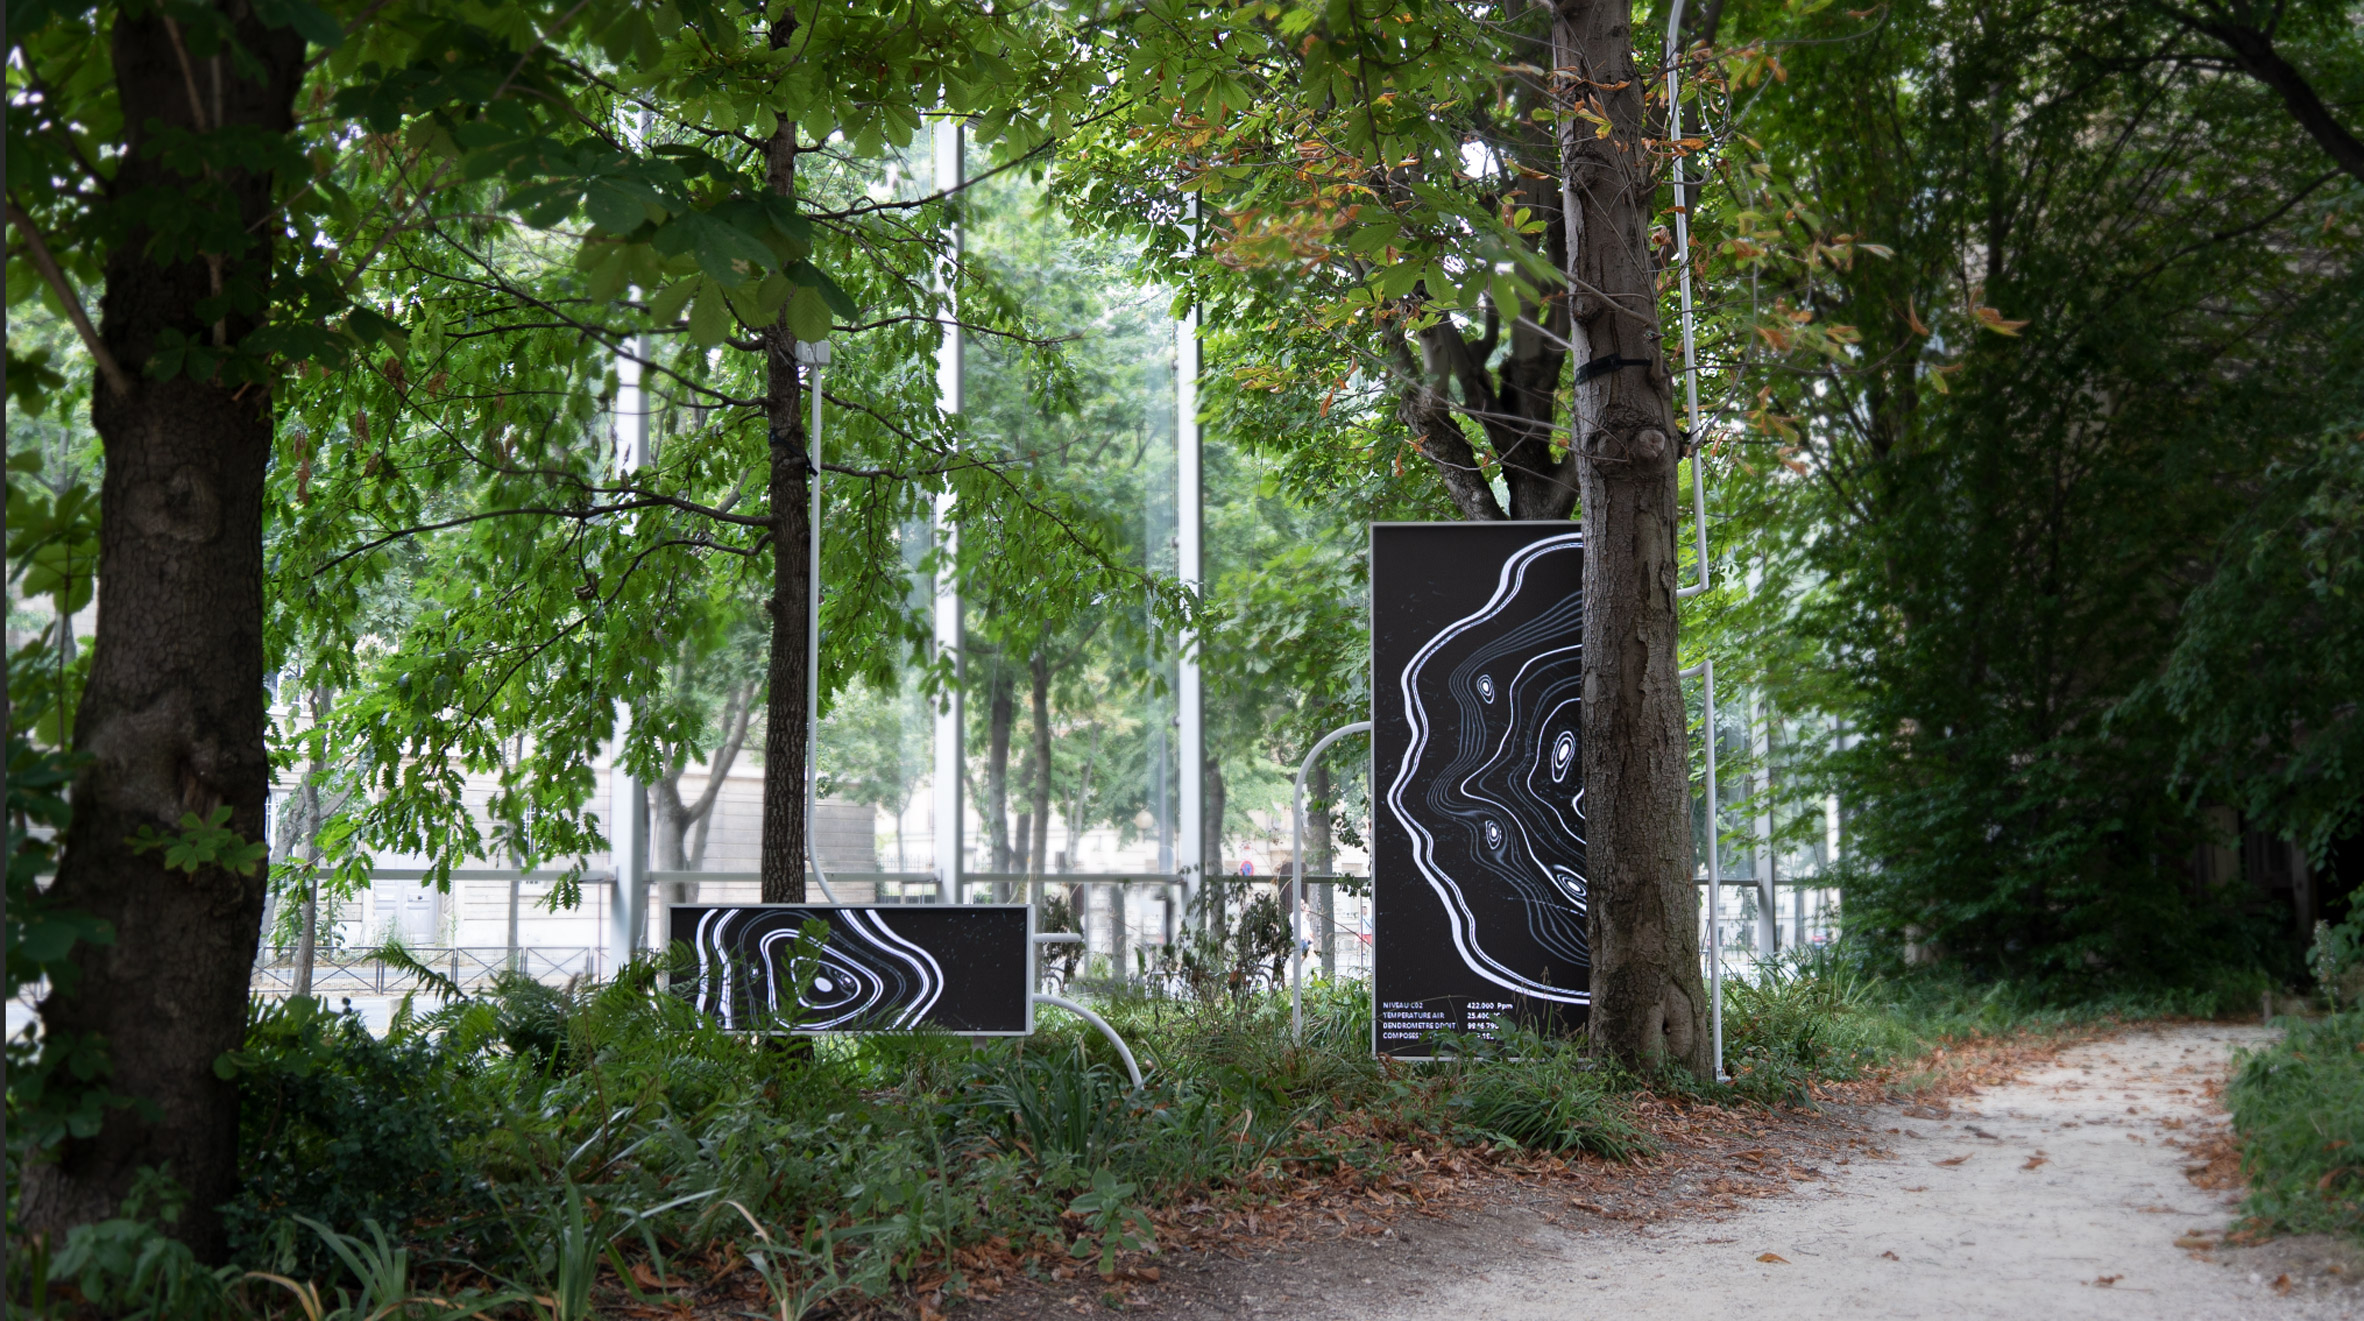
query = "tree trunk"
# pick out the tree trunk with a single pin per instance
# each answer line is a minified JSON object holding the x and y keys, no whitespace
{"x":1000,"y":714}
{"x":1040,"y":845}
{"x":671,"y":817}
{"x":785,"y":714}
{"x":308,"y":944}
{"x":1648,"y":1006}
{"x":173,"y":715}
{"x":1211,"y":825}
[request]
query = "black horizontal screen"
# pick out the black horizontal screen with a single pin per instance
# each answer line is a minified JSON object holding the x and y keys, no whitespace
{"x":888,"y":967}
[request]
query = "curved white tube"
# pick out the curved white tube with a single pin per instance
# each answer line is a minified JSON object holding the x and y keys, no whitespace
{"x":1298,"y":944}
{"x":1062,"y":1002}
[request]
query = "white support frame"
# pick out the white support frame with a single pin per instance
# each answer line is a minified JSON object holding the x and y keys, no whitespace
{"x":946,"y":146}
{"x":1189,"y":691}
{"x":814,"y":355}
{"x":627,"y":817}
{"x":1299,"y":943}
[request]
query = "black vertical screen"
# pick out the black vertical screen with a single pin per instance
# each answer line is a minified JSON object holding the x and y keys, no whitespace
{"x":1478,"y":874}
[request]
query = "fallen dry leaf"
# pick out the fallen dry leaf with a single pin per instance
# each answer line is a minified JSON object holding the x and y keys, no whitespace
{"x":1891,"y":1256}
{"x":2281,"y":1284}
{"x":2038,"y":1159}
{"x":1773,"y":1257}
{"x":2195,"y":1241}
{"x":2105,"y":1281}
{"x":1953,"y":1160}
{"x":1922,"y":1189}
{"x":649,"y":1279}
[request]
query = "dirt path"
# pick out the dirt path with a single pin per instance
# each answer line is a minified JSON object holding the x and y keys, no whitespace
{"x":2061,"y":1195}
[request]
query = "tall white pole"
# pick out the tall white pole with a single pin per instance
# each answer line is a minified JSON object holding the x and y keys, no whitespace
{"x":815,"y":357}
{"x":627,"y":818}
{"x":1715,"y":873}
{"x":946,"y":142}
{"x":1190,"y":857}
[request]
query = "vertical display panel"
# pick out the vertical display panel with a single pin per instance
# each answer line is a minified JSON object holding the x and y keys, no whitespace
{"x":1478,"y":875}
{"x":966,"y":968}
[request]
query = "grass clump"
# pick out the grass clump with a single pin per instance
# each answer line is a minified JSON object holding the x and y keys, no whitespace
{"x":2298,"y":1108}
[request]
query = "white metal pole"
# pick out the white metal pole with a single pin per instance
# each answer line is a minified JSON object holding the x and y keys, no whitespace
{"x":1297,"y":878}
{"x":627,"y":797}
{"x":1715,"y":874}
{"x":946,"y":144}
{"x":1760,"y":724}
{"x":815,"y":357}
{"x":1705,"y":672}
{"x":1191,"y":860}
{"x":1674,"y":133}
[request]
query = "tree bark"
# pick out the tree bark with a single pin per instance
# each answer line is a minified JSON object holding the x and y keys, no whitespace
{"x":173,"y":715}
{"x":671,"y":815}
{"x":308,"y":946}
{"x":2253,"y":49}
{"x":1648,"y":1006}
{"x":1038,"y":848}
{"x":784,"y":837}
{"x":1211,"y":825}
{"x":1000,"y":715}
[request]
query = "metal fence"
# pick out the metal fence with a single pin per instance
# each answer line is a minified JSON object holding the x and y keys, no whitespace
{"x":348,"y":972}
{"x":1125,"y":919}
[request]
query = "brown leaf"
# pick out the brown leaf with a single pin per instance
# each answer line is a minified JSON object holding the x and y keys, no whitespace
{"x":2195,"y":1241}
{"x":2105,"y":1281}
{"x":2038,"y":1159}
{"x":2281,"y":1284}
{"x":1774,"y":1257}
{"x":1891,"y":1256}
{"x":1996,"y":322}
{"x":1954,"y":1160}
{"x":649,"y":1279}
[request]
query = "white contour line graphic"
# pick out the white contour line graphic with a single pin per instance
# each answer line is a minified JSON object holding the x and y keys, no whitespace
{"x":1513,"y":576}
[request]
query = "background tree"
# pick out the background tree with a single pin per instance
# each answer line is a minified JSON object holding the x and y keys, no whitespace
{"x":1987,"y":472}
{"x":1445,"y":214}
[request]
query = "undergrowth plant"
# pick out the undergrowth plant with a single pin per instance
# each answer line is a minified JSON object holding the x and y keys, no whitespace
{"x":546,"y":1151}
{"x":2298,"y":1108}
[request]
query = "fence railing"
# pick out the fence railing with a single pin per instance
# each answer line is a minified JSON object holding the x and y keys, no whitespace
{"x":346,"y":972}
{"x":1119,"y":915}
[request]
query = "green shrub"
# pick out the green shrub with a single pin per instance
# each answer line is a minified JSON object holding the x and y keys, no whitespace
{"x":1810,"y":1015}
{"x":1544,"y":1094}
{"x":2298,"y":1106}
{"x":342,"y":1127}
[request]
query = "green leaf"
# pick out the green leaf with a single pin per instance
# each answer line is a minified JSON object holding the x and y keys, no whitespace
{"x":371,"y":327}
{"x":808,"y":314}
{"x":613,"y":207}
{"x":710,"y":316}
{"x":311,"y":22}
{"x":666,"y":307}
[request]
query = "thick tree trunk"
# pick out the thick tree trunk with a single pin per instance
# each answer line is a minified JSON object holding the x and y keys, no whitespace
{"x":173,"y":715}
{"x":1038,"y":848}
{"x":1648,"y":1006}
{"x":791,"y":470}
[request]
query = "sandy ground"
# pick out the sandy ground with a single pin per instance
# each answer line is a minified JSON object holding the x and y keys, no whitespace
{"x":2065,"y":1194}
